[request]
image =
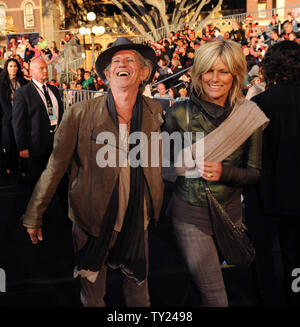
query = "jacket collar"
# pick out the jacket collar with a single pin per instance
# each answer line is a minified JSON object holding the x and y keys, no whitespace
{"x":103,"y":121}
{"x":212,"y":109}
{"x":150,"y":121}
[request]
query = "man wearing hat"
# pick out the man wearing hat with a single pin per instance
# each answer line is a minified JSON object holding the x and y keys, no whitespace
{"x":110,"y":204}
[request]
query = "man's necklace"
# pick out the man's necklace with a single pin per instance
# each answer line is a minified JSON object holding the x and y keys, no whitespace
{"x":128,"y":123}
{"x":126,"y":120}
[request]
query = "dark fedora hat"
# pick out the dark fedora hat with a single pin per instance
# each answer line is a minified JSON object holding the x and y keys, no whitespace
{"x":123,"y":43}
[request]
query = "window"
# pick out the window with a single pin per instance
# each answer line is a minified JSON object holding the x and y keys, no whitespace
{"x":2,"y":17}
{"x":280,"y":12}
{"x":62,"y":16}
{"x":2,"y":10}
{"x":262,"y":10}
{"x":28,"y":15}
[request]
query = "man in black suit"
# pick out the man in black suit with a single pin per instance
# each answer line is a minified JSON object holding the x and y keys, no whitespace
{"x":272,"y":207}
{"x":37,"y":111}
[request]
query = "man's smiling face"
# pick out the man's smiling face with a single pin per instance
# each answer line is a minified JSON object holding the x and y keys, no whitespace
{"x":126,"y":71}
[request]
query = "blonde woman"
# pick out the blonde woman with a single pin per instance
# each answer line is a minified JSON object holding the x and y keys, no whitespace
{"x":232,"y":128}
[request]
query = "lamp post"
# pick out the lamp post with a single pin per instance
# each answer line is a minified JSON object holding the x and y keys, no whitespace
{"x":96,"y":30}
{"x":91,"y":16}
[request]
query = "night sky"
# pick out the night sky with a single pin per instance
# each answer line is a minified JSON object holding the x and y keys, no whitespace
{"x":234,"y":4}
{"x":231,"y":4}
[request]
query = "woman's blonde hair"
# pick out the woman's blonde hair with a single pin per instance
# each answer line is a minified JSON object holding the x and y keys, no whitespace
{"x":231,"y":54}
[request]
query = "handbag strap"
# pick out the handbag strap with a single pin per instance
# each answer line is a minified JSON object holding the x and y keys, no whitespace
{"x":189,"y":129}
{"x":188,"y":116}
{"x":189,"y":126}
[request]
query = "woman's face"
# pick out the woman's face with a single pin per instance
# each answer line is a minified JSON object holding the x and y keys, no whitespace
{"x":171,"y":93}
{"x":235,"y":25}
{"x":12,"y":69}
{"x":216,"y":83}
{"x":183,"y":92}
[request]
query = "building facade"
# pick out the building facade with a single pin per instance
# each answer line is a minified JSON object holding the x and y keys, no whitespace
{"x":258,"y":5}
{"x":31,"y":16}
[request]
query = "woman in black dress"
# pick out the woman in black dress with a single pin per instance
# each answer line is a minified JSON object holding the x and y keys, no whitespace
{"x":11,"y":78}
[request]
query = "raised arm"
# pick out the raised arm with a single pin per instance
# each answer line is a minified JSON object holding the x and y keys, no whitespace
{"x":64,"y":147}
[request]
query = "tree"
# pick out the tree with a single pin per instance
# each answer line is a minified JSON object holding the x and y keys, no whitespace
{"x":155,"y":23}
{"x":76,"y":11}
{"x":150,"y":18}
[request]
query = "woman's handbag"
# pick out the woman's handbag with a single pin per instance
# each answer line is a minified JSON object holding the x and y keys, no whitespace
{"x":232,"y":241}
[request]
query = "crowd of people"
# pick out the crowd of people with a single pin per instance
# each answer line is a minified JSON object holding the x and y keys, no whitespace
{"x":25,"y":48}
{"x":248,"y":152}
{"x":177,"y":52}
{"x":174,"y":54}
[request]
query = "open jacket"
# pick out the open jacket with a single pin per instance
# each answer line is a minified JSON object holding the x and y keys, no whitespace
{"x":30,"y":120}
{"x":90,"y":187}
{"x":239,"y":169}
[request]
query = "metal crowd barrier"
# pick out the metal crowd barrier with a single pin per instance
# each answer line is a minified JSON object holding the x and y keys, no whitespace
{"x":72,"y":96}
{"x":181,"y":72}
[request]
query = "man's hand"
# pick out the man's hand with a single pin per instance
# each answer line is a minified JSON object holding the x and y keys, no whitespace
{"x":24,"y":153}
{"x":35,"y":235}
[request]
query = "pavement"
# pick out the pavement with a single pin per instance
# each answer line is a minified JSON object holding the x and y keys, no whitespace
{"x":41,"y":275}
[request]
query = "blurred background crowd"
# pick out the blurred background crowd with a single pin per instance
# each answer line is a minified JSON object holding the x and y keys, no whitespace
{"x":175,"y":55}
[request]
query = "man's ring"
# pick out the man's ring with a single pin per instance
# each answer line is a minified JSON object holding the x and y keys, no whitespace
{"x":209,"y":175}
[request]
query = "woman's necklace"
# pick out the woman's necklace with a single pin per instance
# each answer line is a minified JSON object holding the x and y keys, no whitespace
{"x":13,"y":87}
{"x":13,"y":84}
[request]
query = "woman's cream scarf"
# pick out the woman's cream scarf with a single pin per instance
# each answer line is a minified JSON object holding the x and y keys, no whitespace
{"x":243,"y":121}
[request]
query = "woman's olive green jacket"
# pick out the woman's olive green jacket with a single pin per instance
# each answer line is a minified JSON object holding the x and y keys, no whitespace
{"x":239,"y":169}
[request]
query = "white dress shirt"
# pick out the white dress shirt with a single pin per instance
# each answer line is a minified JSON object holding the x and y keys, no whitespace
{"x":39,"y":87}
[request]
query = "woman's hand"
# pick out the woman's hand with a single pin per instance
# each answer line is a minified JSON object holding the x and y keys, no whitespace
{"x":211,"y":171}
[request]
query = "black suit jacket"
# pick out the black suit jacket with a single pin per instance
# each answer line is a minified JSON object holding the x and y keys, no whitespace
{"x":279,"y":185}
{"x":30,"y":120}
